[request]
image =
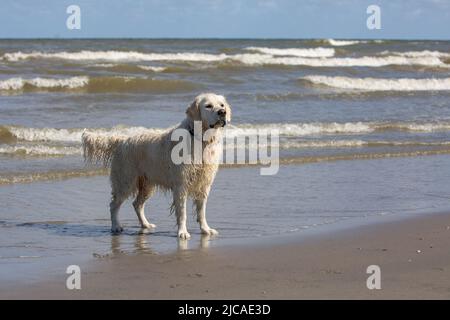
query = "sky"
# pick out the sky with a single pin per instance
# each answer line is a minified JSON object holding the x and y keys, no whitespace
{"x":340,"y":19}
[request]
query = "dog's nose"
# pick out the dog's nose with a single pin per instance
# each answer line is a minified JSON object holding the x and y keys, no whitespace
{"x":221,"y":112}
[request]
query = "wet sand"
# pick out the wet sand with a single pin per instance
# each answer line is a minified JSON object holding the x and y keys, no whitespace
{"x":413,"y":255}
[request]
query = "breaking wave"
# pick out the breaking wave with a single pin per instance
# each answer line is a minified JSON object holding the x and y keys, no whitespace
{"x":23,"y":84}
{"x":64,"y":135}
{"x":369,"y":61}
{"x":152,"y":68}
{"x":114,"y":56}
{"x":340,"y":43}
{"x":43,"y":150}
{"x":377,"y":84}
{"x":12,"y":134}
{"x":314,"y":57}
{"x":97,"y":84}
{"x":320,"y":128}
{"x":298,"y":52}
{"x":39,"y":150}
{"x":128,"y":67}
{"x":416,"y":54}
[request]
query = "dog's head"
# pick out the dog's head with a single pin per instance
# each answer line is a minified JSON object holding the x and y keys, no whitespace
{"x":212,"y":109}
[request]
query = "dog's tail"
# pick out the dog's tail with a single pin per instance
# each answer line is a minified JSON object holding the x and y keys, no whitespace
{"x":99,"y":148}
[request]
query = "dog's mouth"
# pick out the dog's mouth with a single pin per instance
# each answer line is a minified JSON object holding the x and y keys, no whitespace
{"x":219,"y":124}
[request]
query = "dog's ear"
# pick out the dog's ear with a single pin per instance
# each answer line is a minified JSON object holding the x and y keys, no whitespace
{"x":193,"y":111}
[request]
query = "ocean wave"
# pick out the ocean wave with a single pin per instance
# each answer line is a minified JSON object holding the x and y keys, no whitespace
{"x":42,"y":149}
{"x":322,"y":144}
{"x":12,"y":178}
{"x":250,"y":59}
{"x":358,"y":143}
{"x":297,"y":52}
{"x":86,"y":55}
{"x":39,"y":150}
{"x":368,"y":61}
{"x":152,"y":68}
{"x":326,"y":128}
{"x":12,"y":134}
{"x":417,"y":54}
{"x":363,"y":156}
{"x":74,"y":135}
{"x":340,"y":43}
{"x":45,"y":83}
{"x":301,"y":129}
{"x":98,"y":84}
{"x":128,"y":67}
{"x":377,"y":84}
{"x":105,"y":65}
{"x":15,"y":133}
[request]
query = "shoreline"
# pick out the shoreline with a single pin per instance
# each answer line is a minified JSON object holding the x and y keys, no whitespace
{"x":412,"y":253}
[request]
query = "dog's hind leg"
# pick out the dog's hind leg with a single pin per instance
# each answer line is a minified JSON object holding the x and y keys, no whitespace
{"x":200,"y":206}
{"x":145,"y":191}
{"x":114,"y":207}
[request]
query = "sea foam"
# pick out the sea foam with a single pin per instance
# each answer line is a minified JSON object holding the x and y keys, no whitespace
{"x":379,"y":84}
{"x":368,"y":61}
{"x":297,"y":52}
{"x":20,"y":83}
{"x":73,"y":135}
{"x":415,"y":54}
{"x":314,"y":57}
{"x":114,"y":56}
{"x":340,"y":43}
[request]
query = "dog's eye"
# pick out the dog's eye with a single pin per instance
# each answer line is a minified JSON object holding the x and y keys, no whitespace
{"x":208,"y":106}
{"x":221,"y":105}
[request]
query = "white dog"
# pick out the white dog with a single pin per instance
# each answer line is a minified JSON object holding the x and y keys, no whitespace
{"x":141,"y":164}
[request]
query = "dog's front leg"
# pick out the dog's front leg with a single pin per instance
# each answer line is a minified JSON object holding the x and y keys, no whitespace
{"x":200,"y":206}
{"x":179,"y":200}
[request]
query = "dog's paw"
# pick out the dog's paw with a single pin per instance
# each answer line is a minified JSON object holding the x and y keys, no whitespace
{"x":116,"y":229}
{"x":148,"y":226}
{"x":184,"y":235}
{"x":210,"y":232}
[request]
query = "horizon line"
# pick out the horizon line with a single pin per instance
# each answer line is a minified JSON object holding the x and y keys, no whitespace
{"x":219,"y":38}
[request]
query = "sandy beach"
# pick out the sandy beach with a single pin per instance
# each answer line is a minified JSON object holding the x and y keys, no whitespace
{"x":412,"y":253}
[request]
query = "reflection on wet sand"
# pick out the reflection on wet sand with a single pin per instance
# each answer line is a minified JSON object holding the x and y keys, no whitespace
{"x":142,"y":244}
{"x":202,"y":244}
